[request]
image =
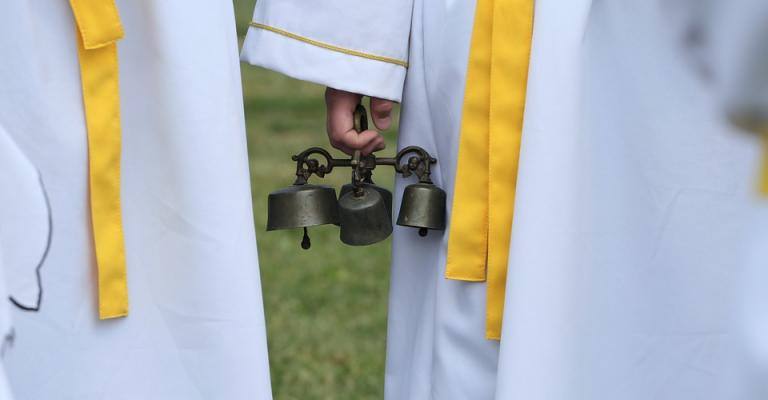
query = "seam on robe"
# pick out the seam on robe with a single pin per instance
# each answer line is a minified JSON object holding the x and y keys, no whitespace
{"x":328,"y":46}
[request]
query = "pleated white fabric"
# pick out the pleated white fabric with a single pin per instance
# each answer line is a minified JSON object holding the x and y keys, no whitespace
{"x":632,"y":210}
{"x":196,"y":323}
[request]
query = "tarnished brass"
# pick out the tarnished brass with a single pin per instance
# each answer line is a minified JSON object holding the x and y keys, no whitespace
{"x":363,"y":217}
{"x":301,"y":206}
{"x":423,"y":207}
{"x":363,"y":210}
{"x":385,"y":194}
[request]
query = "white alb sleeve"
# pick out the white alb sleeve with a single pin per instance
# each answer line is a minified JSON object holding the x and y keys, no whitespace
{"x":360,"y":47}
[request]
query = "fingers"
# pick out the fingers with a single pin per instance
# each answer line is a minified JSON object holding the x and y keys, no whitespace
{"x":374,"y":145}
{"x":340,"y":124}
{"x":349,"y":141}
{"x":381,"y":112}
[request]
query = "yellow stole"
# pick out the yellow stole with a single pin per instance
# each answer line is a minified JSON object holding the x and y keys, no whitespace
{"x":489,"y":150}
{"x":99,"y":28}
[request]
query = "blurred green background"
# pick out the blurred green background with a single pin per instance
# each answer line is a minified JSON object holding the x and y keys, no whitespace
{"x":326,"y":307}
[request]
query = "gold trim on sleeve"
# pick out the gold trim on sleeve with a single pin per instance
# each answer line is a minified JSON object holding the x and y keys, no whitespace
{"x":329,"y":46}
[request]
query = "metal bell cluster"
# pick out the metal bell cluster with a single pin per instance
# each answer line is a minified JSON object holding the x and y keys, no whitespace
{"x":363,"y":210}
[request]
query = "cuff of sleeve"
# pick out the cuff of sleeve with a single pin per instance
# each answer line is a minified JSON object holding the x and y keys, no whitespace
{"x":301,"y":59}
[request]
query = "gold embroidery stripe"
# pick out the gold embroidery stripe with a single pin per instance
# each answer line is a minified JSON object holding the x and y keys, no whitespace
{"x":330,"y":46}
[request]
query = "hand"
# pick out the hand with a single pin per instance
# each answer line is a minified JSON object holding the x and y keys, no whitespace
{"x":340,"y":106}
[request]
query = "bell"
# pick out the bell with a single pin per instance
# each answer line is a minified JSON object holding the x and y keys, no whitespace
{"x":301,"y":206}
{"x":385,"y":194}
{"x":364,"y":217}
{"x":423,"y":207}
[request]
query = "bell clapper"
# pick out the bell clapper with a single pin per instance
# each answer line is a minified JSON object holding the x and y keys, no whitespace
{"x":423,"y":232}
{"x":305,"y":242}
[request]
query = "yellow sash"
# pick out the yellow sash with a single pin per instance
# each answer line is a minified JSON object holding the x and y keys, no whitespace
{"x":99,"y":26}
{"x":491,"y":130}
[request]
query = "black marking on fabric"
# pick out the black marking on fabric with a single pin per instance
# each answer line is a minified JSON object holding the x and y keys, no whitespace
{"x":38,"y":277}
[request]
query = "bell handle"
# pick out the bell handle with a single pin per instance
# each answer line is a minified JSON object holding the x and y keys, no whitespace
{"x":359,"y":173}
{"x":306,"y":165}
{"x":360,"y":117}
{"x":418,"y":164}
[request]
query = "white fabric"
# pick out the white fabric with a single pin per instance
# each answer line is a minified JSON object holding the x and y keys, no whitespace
{"x":739,"y":52}
{"x":196,"y":324}
{"x":632,"y":202}
{"x":738,"y":56}
{"x":6,"y":326}
{"x":382,"y":30}
{"x":334,"y":69}
{"x":631,"y":213}
{"x":24,"y":233}
{"x":25,"y":226}
{"x":750,"y":358}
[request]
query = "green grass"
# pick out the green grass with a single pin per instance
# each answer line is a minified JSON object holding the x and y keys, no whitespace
{"x":325,"y":307}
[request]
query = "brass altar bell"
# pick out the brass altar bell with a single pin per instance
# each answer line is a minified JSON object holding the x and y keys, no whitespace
{"x":423,"y":207}
{"x":386,"y":194}
{"x":365,"y":217}
{"x":363,"y":210}
{"x":302,"y":206}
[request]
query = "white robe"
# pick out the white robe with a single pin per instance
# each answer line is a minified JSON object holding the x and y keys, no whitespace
{"x":632,"y":201}
{"x":196,"y":324}
{"x":737,"y":52}
{"x":25,"y":233}
{"x":632,"y":208}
